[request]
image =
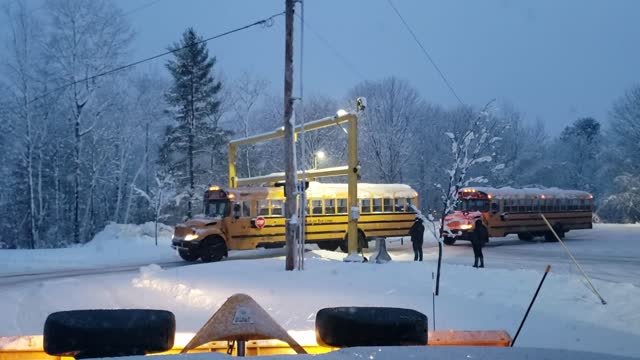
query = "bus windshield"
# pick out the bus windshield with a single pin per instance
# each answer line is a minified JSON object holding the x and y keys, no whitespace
{"x":472,"y":205}
{"x":216,"y":208}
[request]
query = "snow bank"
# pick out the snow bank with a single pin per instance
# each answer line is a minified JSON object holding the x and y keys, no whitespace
{"x":116,"y":244}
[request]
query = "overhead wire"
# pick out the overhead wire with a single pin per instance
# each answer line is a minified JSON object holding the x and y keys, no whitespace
{"x":327,"y":43}
{"x":266,"y":21}
{"x":426,"y":53}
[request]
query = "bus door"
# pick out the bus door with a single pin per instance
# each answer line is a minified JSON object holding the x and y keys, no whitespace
{"x":238,"y":224}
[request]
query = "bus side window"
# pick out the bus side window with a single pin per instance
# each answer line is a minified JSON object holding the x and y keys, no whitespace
{"x":342,"y":206}
{"x":366,"y":205}
{"x":316,"y":207}
{"x":388,"y":205}
{"x":329,"y":206}
{"x":409,"y":202}
{"x":377,"y":205}
{"x":399,"y":205}
{"x":263,"y":207}
{"x":276,"y":207}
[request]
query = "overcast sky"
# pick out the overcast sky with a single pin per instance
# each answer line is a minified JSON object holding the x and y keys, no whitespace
{"x":555,"y":60}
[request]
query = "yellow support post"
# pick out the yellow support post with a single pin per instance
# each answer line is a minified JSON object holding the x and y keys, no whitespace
{"x":232,"y":166}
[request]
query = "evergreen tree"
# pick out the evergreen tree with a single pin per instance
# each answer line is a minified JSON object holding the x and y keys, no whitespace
{"x":193,"y":144}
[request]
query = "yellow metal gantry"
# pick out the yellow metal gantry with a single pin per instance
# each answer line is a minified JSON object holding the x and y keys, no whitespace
{"x":351,"y":170}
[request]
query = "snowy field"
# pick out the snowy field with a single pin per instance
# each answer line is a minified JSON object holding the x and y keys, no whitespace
{"x":566,"y":315}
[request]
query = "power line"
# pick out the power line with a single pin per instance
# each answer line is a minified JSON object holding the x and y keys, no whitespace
{"x":266,"y":21}
{"x":327,"y":43}
{"x":142,"y":7}
{"x":444,"y":78}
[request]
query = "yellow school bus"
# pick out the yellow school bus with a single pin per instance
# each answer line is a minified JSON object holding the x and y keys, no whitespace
{"x":489,"y":212}
{"x":250,"y":217}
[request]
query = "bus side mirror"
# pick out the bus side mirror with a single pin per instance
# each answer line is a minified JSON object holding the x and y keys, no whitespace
{"x":495,"y":208}
{"x":236,"y":211}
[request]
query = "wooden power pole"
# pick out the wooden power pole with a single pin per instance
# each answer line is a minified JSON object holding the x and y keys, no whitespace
{"x":289,"y":156}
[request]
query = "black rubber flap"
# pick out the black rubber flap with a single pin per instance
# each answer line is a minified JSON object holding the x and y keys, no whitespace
{"x":108,"y":333}
{"x":370,"y":326}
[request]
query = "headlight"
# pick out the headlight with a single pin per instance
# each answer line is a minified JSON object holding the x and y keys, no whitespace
{"x":466,"y":226}
{"x":191,"y":237}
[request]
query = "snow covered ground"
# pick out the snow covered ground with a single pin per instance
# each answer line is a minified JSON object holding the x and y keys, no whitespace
{"x":566,"y":315}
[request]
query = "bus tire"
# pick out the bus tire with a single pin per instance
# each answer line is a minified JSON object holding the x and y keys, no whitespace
{"x":362,"y":241}
{"x":447,"y":240}
{"x":213,"y":249}
{"x":549,"y":237}
{"x":186,"y":255}
{"x":329,"y":245}
{"x":525,"y":236}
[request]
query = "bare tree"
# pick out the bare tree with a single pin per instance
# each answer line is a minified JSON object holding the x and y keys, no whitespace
{"x":21,"y":65}
{"x":246,"y":93}
{"x":393,"y":104}
{"x":85,"y":38}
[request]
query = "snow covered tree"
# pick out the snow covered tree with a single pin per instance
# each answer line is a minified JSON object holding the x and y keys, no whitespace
{"x":193,"y":146}
{"x":580,"y":145}
{"x":622,"y":200}
{"x":472,"y":145}
{"x":85,"y":38}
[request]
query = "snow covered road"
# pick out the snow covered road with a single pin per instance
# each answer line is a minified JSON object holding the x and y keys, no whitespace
{"x":609,"y":252}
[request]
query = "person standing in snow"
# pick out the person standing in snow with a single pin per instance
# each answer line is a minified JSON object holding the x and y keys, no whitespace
{"x":477,"y":242}
{"x":417,"y":234}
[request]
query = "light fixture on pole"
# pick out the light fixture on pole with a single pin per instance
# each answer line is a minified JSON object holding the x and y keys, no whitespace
{"x":319,"y":155}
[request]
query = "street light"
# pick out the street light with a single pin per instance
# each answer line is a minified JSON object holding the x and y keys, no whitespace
{"x":319,"y":155}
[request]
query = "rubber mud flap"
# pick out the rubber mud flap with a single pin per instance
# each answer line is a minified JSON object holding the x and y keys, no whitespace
{"x":370,"y":326}
{"x":108,"y":333}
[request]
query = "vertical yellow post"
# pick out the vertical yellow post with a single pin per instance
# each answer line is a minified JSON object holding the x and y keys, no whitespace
{"x":232,"y":166}
{"x":352,"y":230}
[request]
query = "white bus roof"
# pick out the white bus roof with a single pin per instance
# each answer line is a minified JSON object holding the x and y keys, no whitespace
{"x":331,"y":190}
{"x":530,"y":193}
{"x":320,"y":190}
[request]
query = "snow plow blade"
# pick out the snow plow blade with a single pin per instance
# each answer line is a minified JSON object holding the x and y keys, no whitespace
{"x":30,"y":347}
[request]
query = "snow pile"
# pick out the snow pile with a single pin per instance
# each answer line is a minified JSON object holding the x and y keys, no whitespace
{"x":122,"y":238}
{"x":116,"y":244}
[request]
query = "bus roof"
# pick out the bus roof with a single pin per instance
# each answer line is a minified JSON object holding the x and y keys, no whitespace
{"x":330,"y":190}
{"x":319,"y":190}
{"x":530,"y":193}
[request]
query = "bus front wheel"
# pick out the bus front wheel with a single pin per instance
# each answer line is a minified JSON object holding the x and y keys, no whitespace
{"x":214,"y":249}
{"x":186,"y":255}
{"x":449,"y":240}
{"x":525,"y":236}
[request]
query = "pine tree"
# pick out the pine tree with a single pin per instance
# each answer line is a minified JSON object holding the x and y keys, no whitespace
{"x":190,"y":145}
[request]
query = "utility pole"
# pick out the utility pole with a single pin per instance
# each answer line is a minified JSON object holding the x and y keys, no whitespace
{"x":289,"y":156}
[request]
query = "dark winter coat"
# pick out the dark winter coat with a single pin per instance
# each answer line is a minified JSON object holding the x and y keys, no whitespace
{"x":417,"y":233}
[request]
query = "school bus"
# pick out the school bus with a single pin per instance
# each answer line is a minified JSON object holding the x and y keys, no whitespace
{"x":488,"y":212}
{"x":250,"y":217}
